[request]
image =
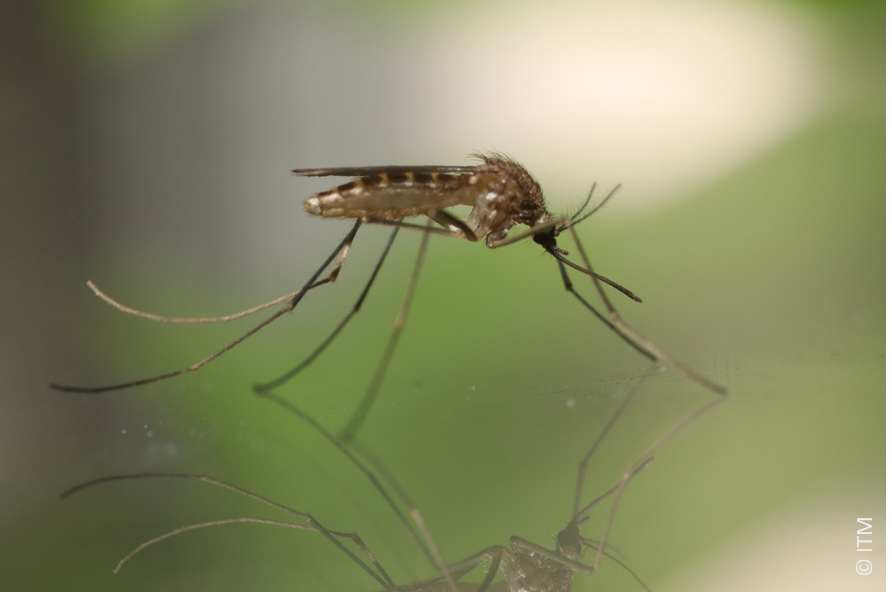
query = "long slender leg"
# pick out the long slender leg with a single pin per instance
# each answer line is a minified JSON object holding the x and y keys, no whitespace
{"x":447,"y":220}
{"x":197,"y":320}
{"x":349,"y":431}
{"x":345,"y":244}
{"x":583,"y":464}
{"x":332,"y":276}
{"x":385,"y":580}
{"x":426,"y":545}
{"x":568,"y":285}
{"x":636,"y":337}
{"x":642,"y":344}
{"x":495,"y":554}
{"x":531,"y":231}
{"x":425,"y":228}
{"x":382,"y":469}
{"x":312,"y":524}
{"x":582,"y":516}
{"x":435,"y":550}
{"x":424,"y":541}
{"x":373,"y":479}
{"x":356,"y":306}
{"x":628,"y":474}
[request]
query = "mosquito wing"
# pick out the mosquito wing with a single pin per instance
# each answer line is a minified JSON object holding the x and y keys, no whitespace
{"x":370,"y":171}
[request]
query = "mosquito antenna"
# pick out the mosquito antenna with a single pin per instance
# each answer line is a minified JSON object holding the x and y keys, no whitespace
{"x":287,"y":308}
{"x":588,"y":198}
{"x":574,"y":221}
{"x":259,"y":388}
{"x":314,"y":525}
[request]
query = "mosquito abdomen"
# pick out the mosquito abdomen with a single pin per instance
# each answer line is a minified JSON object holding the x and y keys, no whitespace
{"x":395,"y":195}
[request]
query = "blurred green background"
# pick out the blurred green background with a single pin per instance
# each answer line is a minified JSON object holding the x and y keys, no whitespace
{"x":147,"y":147}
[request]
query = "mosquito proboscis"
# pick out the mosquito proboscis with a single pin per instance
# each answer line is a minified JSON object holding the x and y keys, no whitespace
{"x":521,"y":565}
{"x":502,"y":195}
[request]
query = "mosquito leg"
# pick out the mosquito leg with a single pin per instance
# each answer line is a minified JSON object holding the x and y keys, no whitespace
{"x":259,"y":388}
{"x":568,"y":285}
{"x":447,"y":220}
{"x":345,"y":244}
{"x":491,"y":573}
{"x":197,"y":320}
{"x":425,"y":228}
{"x":617,"y":490}
{"x":620,"y":489}
{"x":432,"y":545}
{"x":312,"y":524}
{"x":628,"y":474}
{"x":495,"y":554}
{"x":583,"y":464}
{"x":373,"y":479}
{"x":652,"y":352}
{"x":379,"y":465}
{"x":424,"y":541}
{"x":532,"y":231}
{"x":349,"y":432}
{"x":226,"y":318}
{"x":642,"y":342}
{"x":385,"y":580}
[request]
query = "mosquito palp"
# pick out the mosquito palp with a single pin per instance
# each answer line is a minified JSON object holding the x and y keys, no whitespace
{"x":501,"y":193}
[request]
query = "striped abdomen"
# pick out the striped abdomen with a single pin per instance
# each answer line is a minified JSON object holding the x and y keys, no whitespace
{"x":395,"y":195}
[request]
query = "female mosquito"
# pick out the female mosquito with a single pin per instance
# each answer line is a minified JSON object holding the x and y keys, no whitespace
{"x":502,"y":195}
{"x":524,"y":567}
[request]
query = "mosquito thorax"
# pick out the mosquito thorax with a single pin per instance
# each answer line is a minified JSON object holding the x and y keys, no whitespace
{"x":512,"y":197}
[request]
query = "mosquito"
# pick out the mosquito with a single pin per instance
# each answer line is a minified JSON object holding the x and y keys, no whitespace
{"x":502,"y":194}
{"x":524,"y":566}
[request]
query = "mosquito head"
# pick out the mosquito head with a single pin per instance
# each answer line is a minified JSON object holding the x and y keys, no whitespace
{"x":547,"y":239}
{"x":569,"y":543}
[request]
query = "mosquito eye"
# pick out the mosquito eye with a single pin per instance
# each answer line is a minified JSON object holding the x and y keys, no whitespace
{"x":571,"y":551}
